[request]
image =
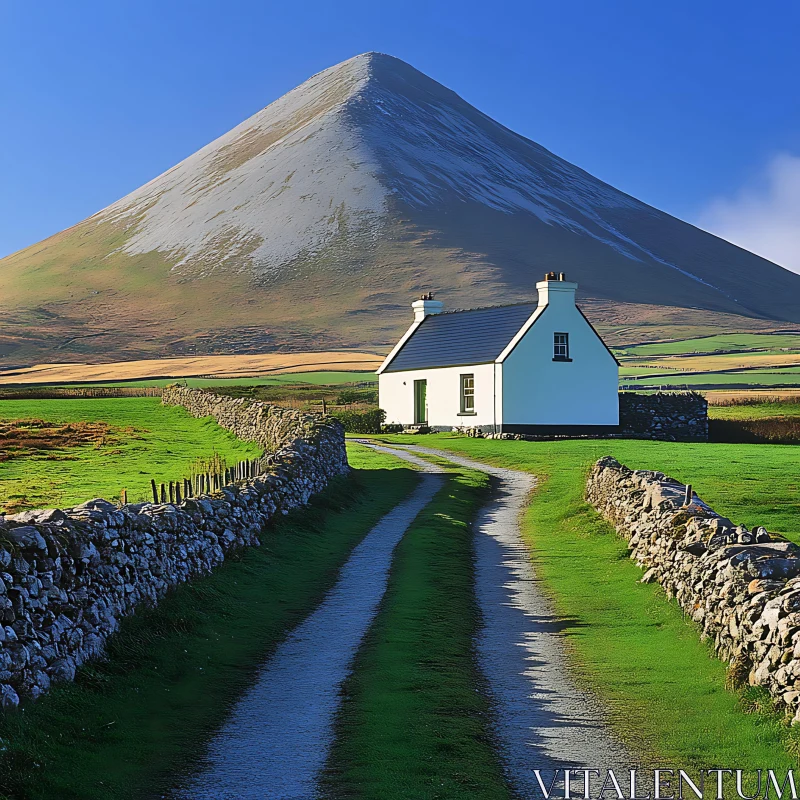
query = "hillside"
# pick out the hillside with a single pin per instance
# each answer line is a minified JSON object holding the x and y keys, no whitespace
{"x":312,"y":224}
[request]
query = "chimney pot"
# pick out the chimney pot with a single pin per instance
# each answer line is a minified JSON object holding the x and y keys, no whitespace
{"x":562,"y":276}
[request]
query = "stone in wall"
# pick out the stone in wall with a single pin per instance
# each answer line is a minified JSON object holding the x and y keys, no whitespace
{"x":68,"y":577}
{"x":741,"y":587}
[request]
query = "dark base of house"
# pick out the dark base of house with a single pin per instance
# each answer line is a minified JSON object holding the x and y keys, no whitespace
{"x":540,"y":431}
{"x":559,"y":430}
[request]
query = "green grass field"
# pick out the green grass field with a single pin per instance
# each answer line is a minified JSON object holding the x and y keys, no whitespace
{"x":147,"y":440}
{"x":414,"y":721}
{"x":134,"y":722}
{"x":664,"y":688}
{"x":763,"y":410}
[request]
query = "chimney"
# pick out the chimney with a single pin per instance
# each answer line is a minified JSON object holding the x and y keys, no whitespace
{"x":426,"y":305}
{"x":556,"y":290}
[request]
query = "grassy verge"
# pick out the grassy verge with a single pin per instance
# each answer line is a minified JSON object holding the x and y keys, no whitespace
{"x":664,"y":688}
{"x":133,"y":722}
{"x":753,"y":409}
{"x":414,"y":722}
{"x":145,"y":440}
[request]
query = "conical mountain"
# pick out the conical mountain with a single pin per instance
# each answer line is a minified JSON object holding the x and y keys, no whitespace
{"x":313,"y":223}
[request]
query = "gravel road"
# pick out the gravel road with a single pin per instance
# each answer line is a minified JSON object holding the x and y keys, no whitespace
{"x":277,"y":738}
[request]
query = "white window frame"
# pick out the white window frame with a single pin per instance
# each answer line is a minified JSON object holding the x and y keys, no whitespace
{"x":561,"y":346}
{"x":467,"y":393}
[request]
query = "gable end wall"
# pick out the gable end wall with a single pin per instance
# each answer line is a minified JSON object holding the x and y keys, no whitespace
{"x":540,"y":391}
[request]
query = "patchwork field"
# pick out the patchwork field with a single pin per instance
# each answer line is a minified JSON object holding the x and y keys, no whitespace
{"x":730,"y":360}
{"x":736,"y":360}
{"x":56,"y":453}
{"x":722,"y":343}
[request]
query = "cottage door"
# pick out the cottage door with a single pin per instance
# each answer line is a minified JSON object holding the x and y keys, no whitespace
{"x":420,"y":402}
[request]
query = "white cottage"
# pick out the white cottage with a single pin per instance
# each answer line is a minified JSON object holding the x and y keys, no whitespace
{"x":524,"y":368}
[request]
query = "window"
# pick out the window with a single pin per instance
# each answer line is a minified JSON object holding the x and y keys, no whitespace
{"x":561,"y":347}
{"x":467,"y":394}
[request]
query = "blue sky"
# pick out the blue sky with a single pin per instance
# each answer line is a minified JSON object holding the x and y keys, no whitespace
{"x":693,"y":107}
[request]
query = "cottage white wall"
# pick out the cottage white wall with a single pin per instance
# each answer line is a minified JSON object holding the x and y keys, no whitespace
{"x":540,"y":391}
{"x":396,"y":395}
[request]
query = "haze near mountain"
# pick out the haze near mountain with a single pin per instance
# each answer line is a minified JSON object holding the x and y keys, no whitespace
{"x":314,"y":223}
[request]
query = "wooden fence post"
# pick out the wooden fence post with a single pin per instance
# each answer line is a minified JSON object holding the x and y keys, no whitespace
{"x":687,"y":500}
{"x":155,"y":491}
{"x":123,"y":496}
{"x":171,"y":492}
{"x":177,"y":493}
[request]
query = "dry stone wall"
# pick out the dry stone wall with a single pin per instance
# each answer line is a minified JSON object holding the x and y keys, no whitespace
{"x":68,"y":577}
{"x":742,"y":587}
{"x":666,"y":416}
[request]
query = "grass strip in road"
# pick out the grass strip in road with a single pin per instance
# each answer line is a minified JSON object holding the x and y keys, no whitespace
{"x":414,"y":721}
{"x":133,"y":722}
{"x":665,"y":689}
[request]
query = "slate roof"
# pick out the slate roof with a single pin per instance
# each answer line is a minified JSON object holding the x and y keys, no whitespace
{"x":459,"y":338}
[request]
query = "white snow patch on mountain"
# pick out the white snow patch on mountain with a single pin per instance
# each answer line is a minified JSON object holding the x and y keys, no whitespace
{"x":321,"y":162}
{"x":278,"y":203}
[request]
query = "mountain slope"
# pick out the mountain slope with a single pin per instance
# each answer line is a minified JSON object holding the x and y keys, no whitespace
{"x":314,"y":222}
